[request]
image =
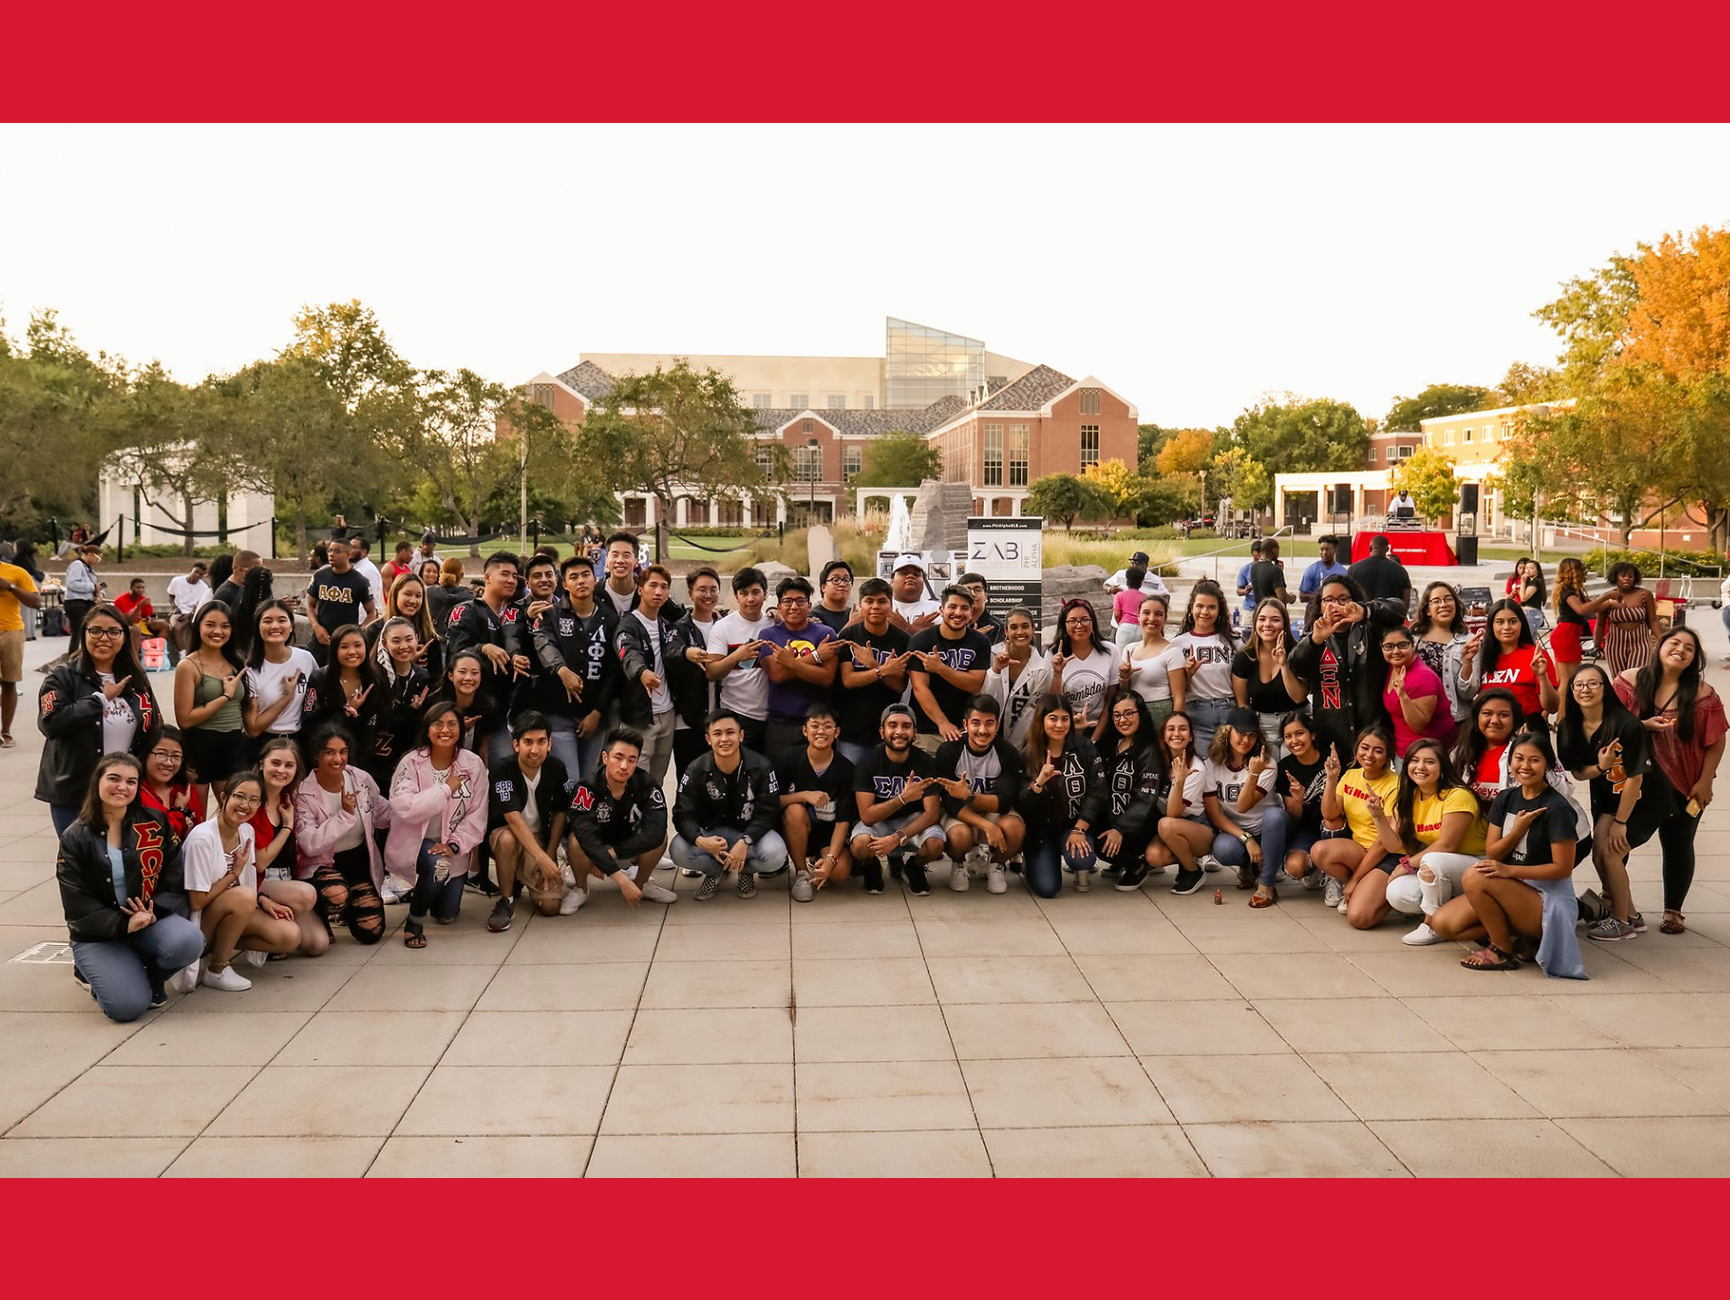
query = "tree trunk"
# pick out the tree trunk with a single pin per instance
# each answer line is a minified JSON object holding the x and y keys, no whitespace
{"x":662,"y":507}
{"x":1718,"y":528}
{"x":188,"y":540}
{"x":302,"y":551}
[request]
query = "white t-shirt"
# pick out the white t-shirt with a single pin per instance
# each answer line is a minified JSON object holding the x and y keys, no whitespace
{"x":349,"y":839}
{"x":621,"y":603}
{"x":1152,"y":676}
{"x":1194,"y":787}
{"x":264,"y":684}
{"x":186,"y":595}
{"x":1212,"y":680}
{"x":1220,"y":780}
{"x":203,"y":861}
{"x":912,"y":609}
{"x":745,"y":689}
{"x":531,"y":809}
{"x":1152,"y":584}
{"x":1085,"y":680}
{"x":368,"y":570}
{"x":119,"y":725}
{"x":660,"y":699}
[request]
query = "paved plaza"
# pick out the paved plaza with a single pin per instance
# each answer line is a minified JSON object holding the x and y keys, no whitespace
{"x":956,"y":1034}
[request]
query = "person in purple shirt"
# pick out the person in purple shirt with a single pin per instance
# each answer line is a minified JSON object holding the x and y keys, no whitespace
{"x":800,"y":663}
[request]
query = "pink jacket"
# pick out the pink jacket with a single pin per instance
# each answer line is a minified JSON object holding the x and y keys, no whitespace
{"x":416,"y":798}
{"x":317,"y":829}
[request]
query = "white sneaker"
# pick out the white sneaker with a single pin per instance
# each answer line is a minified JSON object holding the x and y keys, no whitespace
{"x":1421,"y":936}
{"x":655,"y":893}
{"x":667,"y":864}
{"x":391,"y":891}
{"x":1343,"y":904}
{"x":1207,"y":862}
{"x":227,"y":979}
{"x":253,"y":957}
{"x":996,"y":879}
{"x":185,"y":979}
{"x":977,"y":861}
{"x":574,"y":899}
{"x":1335,"y":895}
{"x":958,"y":878}
{"x":802,"y":890}
{"x":1314,"y":880}
{"x":1083,"y":881}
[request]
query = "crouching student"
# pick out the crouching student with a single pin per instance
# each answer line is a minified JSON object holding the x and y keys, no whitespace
{"x":617,"y":825}
{"x":119,"y":873}
{"x":219,"y":860}
{"x":899,"y":805}
{"x":1185,"y":833}
{"x":1137,"y":782}
{"x":981,"y":777}
{"x":1301,"y":782}
{"x":437,"y":817}
{"x":725,"y":814}
{"x":1436,"y":833}
{"x":1357,"y":794}
{"x":337,"y":811}
{"x":1063,"y":801}
{"x":1249,"y":821}
{"x":1523,"y":889}
{"x":526,"y":821}
{"x":816,"y":805}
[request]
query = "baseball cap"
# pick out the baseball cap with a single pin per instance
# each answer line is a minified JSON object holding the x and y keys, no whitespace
{"x":908,"y":561}
{"x":1140,"y":557}
{"x":1243,"y":720}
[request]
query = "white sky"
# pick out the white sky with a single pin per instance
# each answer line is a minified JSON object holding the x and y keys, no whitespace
{"x":1192,"y":269}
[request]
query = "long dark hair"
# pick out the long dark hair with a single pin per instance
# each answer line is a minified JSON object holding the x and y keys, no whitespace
{"x":1538,"y":578}
{"x":367,"y":669}
{"x":1687,"y":686}
{"x":431,"y":714}
{"x":1470,"y":747}
{"x":1403,"y":801}
{"x":1038,"y":744}
{"x":255,"y":654}
{"x":1221,"y":624}
{"x":173,"y":734}
{"x":227,"y":650}
{"x":255,"y":594}
{"x":1491,"y":652}
{"x":90,"y":813}
{"x":1144,"y":732}
{"x":1064,"y":644}
{"x":1573,"y":742}
{"x":221,"y":570}
{"x":125,"y":662}
{"x":1423,"y":622}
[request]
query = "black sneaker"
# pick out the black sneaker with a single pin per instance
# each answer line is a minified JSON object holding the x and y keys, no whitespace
{"x":1188,"y":881}
{"x":158,"y":997}
{"x":747,"y":884}
{"x":81,"y":982}
{"x":500,"y":920}
{"x":914,"y":874}
{"x":709,"y":888}
{"x":481,"y":884}
{"x":872,"y":872}
{"x":1129,"y":878}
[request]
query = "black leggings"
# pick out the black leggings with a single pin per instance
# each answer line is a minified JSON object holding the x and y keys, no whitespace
{"x":1676,"y":839}
{"x":346,"y":895}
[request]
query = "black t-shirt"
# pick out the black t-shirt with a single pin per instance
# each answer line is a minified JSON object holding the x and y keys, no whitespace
{"x":1312,"y":779}
{"x":881,"y":779}
{"x":341,"y":597}
{"x":861,"y":707}
{"x":1380,"y":577}
{"x":966,"y":653}
{"x":1565,"y":612}
{"x":1265,"y":579}
{"x":794,"y":771}
{"x":1634,"y":758}
{"x":833,"y":619}
{"x":1264,"y":697}
{"x":989,"y":628}
{"x":1554,"y":824}
{"x":228,"y":593}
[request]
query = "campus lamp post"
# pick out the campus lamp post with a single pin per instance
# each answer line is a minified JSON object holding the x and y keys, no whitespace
{"x":811,"y":471}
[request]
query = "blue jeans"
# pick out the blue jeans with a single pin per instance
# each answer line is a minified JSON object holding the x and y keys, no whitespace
{"x":62,"y":815}
{"x":125,"y":973}
{"x":766,"y":854}
{"x":1207,"y":716}
{"x":1047,"y":859}
{"x":580,"y":754}
{"x":442,"y":898}
{"x":1275,"y":838}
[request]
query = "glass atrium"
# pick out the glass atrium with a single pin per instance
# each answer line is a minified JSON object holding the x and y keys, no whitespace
{"x":922,"y":365}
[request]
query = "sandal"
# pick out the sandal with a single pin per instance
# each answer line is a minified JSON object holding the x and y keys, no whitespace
{"x":413,"y":936}
{"x":1490,"y":957}
{"x":1672,"y":923}
{"x":1259,"y":899}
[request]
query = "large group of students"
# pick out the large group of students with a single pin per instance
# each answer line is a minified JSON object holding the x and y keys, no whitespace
{"x":516,"y":739}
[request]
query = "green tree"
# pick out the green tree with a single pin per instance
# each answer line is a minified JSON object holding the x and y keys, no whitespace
{"x":1303,"y":436}
{"x":1407,"y":413}
{"x":1525,"y":385}
{"x":1429,"y":476}
{"x":1149,"y":439}
{"x":1120,"y":490}
{"x":1063,"y":497}
{"x":672,"y":431}
{"x":1241,"y":478}
{"x":1167,"y":499}
{"x":898,"y":459}
{"x":1591,"y":315}
{"x":51,"y":435}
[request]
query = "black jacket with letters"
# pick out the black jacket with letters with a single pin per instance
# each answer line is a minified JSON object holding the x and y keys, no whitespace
{"x":562,"y":638}
{"x":690,"y":696}
{"x":612,"y":830}
{"x":150,"y":858}
{"x":69,"y":714}
{"x":508,"y":792}
{"x":748,"y":798}
{"x":1078,"y":793}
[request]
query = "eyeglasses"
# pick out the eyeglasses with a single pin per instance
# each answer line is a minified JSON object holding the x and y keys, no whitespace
{"x":245,"y":799}
{"x":103,"y":631}
{"x":845,"y":579}
{"x":1119,"y":715}
{"x":794,"y":601}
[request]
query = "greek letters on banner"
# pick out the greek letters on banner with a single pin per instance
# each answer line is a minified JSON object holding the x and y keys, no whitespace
{"x":1008,"y":553}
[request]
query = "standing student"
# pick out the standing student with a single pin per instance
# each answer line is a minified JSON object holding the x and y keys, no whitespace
{"x":1435,"y":831}
{"x":1126,"y":606}
{"x":1686,"y":718}
{"x":1340,"y":659}
{"x":579,"y":670}
{"x":438,"y":814}
{"x":1511,"y":658}
{"x":983,"y":623}
{"x":1414,"y":697}
{"x":1244,"y":589}
{"x":403,"y":690}
{"x":816,"y":804}
{"x":947,"y":664}
{"x":1151,"y":585}
{"x":1357,"y":794}
{"x":445,"y":590}
{"x":734,"y":643}
{"x":219,"y":859}
{"x":1199,"y":662}
{"x":1083,"y":664}
{"x":406,"y":598}
{"x":278,"y":673}
{"x":1574,"y":613}
{"x":492,"y":625}
{"x":1261,"y":674}
{"x":651,"y":650}
{"x":1142,"y":666}
{"x":17,"y":593}
{"x":1019,"y":675}
{"x":916,"y":609}
{"x":481,"y":711}
{"x":872,"y":672}
{"x":1381,"y":577}
{"x":118,"y":870}
{"x":1439,"y":638}
{"x":280,"y":769}
{"x":24,"y":557}
{"x":360,"y":559}
{"x":1527,"y":587}
{"x":620,"y":559}
{"x":1064,"y":801}
{"x":336,"y":597}
{"x":349,"y":690}
{"x":694,"y":695}
{"x":526,"y":821}
{"x":209,"y":685}
{"x":98,"y":701}
{"x":725,"y":814}
{"x":133,"y":605}
{"x":1523,"y":888}
{"x":401,"y":562}
{"x":981,"y":776}
{"x":794,"y":652}
{"x":899,"y":805}
{"x":617,"y":826}
{"x":1325,"y":566}
{"x":338,"y":811}
{"x":1628,"y":627}
{"x":1267,"y":576}
{"x":82,"y":587}
{"x":834,"y":596}
{"x":187,"y":593}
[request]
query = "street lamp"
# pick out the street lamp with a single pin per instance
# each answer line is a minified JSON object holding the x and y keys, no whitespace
{"x":813,"y":464}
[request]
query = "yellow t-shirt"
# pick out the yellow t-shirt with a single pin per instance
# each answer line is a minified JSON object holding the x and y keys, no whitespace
{"x":1355,"y":787}
{"x":11,"y":612}
{"x":1427,"y":819}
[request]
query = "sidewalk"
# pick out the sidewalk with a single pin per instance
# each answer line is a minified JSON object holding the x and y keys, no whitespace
{"x":958,"y":1034}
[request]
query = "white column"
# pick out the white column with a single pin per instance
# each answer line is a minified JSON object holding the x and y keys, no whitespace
{"x":682,"y":511}
{"x":780,"y":510}
{"x":648,"y":510}
{"x":1278,"y":504}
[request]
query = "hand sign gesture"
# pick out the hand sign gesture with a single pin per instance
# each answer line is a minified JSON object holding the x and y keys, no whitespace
{"x":1000,"y":661}
{"x":1047,"y":773}
{"x":1373,"y":802}
{"x":230,"y":684}
{"x":1190,"y":662}
{"x":114,"y":689}
{"x":1126,"y":669}
{"x":419,"y":698}
{"x":291,"y":683}
{"x":348,"y":802}
{"x":1397,"y":681}
{"x":1296,"y":786}
{"x":1331,"y":764}
{"x":1258,"y":765}
{"x":1058,"y":660}
{"x":1469,"y":652}
{"x":355,"y":700}
{"x":1278,"y":654}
